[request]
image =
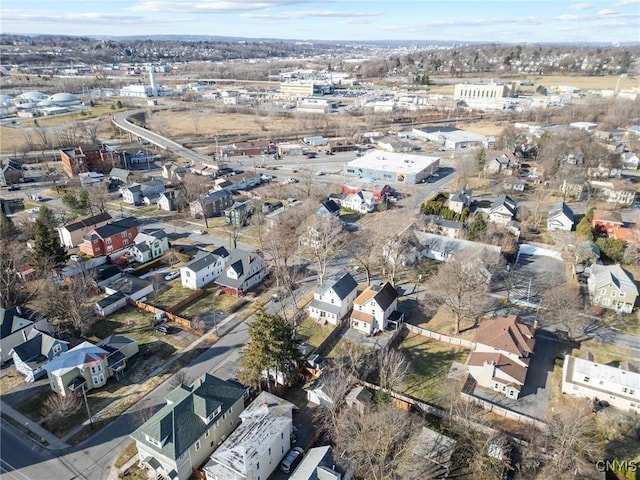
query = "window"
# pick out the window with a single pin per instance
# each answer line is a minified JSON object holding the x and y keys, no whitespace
{"x":123,"y":235}
{"x":206,"y":434}
{"x":586,"y":379}
{"x":57,"y":348}
{"x":125,"y":242}
{"x":269,"y":451}
{"x":603,"y":291}
{"x":613,"y":293}
{"x":96,"y":369}
{"x":197,"y":445}
{"x":622,"y":294}
{"x":606,"y":301}
{"x":107,"y":240}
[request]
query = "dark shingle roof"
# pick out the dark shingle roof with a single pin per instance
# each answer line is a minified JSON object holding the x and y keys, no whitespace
{"x":12,"y":320}
{"x":88,"y":222}
{"x":180,"y":422}
{"x":202,"y":261}
{"x":115,"y":228}
{"x":330,"y":206}
{"x":111,"y":299}
{"x":561,"y":209}
{"x":344,"y":286}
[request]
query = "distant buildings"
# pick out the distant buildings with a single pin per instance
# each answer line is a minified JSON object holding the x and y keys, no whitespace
{"x":83,"y":159}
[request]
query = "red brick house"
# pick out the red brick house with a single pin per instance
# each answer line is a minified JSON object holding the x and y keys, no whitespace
{"x":110,"y":238}
{"x":84,"y":159}
{"x":608,"y":223}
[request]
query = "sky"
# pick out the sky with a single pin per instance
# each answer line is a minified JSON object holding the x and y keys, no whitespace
{"x":515,"y":21}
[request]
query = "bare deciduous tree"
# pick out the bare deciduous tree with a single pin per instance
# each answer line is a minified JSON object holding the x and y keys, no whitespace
{"x":564,"y":303}
{"x":392,"y":368}
{"x":319,"y":242}
{"x":461,"y":284}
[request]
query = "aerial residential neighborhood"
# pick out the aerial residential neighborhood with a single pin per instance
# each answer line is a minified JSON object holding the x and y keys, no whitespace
{"x":254,"y":257}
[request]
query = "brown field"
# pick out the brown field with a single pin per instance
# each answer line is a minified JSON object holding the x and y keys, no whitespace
{"x":11,"y":140}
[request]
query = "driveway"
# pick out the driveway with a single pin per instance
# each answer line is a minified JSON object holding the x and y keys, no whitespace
{"x":534,"y":398}
{"x":532,"y":276}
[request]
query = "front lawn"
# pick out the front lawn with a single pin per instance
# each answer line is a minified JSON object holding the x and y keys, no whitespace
{"x":430,"y":363}
{"x":312,"y":333}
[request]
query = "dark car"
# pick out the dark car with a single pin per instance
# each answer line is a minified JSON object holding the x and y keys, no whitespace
{"x":13,"y":188}
{"x":163,"y":329}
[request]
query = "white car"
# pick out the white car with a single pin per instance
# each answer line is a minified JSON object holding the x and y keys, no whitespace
{"x":199,"y":232}
{"x":172,"y":275}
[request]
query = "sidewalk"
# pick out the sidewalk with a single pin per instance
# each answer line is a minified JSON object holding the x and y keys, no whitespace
{"x":53,"y":442}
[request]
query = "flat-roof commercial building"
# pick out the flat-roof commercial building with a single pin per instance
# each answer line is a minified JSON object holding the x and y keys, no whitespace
{"x":476,"y":91}
{"x":393,"y":167}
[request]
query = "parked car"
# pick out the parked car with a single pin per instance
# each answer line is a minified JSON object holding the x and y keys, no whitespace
{"x":172,"y":275}
{"x":13,"y":188}
{"x":199,"y":232}
{"x":291,"y":461}
{"x":163,"y":329}
{"x":319,"y":174}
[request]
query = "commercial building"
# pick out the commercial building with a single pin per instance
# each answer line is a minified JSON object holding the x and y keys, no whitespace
{"x":480,"y":91}
{"x":393,"y":167}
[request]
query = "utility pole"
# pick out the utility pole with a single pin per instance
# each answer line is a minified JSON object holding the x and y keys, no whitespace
{"x":86,"y":403}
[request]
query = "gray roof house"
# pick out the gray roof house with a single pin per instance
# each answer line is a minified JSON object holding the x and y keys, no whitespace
{"x":328,"y":208}
{"x":613,"y":288}
{"x":31,"y":356}
{"x":244,"y":270}
{"x":317,"y":464}
{"x":121,"y":174}
{"x":212,"y":205}
{"x":560,"y":217}
{"x":442,"y":226}
{"x":203,"y":269}
{"x":460,"y":200}
{"x":254,"y":450}
{"x":503,"y":210}
{"x":136,"y":193}
{"x":332,"y":301}
{"x":193,"y":423}
{"x":16,"y":324}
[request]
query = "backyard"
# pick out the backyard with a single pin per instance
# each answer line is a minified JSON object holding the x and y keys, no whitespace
{"x":312,"y":333}
{"x":430,"y":363}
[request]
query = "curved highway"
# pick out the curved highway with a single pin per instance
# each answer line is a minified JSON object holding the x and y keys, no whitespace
{"x":120,"y":120}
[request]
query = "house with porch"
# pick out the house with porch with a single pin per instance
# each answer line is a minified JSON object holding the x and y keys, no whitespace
{"x":560,"y":217}
{"x":195,"y":421}
{"x":203,"y":269}
{"x":88,"y":366}
{"x":373,"y":307}
{"x":332,"y":301}
{"x":149,"y":246}
{"x":30,"y":357}
{"x":244,"y":270}
{"x":500,"y":360}
{"x":136,"y":193}
{"x":256,"y":448}
{"x":612,"y":287}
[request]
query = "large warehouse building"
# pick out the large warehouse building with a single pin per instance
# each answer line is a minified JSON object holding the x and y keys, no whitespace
{"x":393,"y":167}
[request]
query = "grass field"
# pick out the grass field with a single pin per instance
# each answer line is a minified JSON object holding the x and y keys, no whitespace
{"x":312,"y":333}
{"x":430,"y":363}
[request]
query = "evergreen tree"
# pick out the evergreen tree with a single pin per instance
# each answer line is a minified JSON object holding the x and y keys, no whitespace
{"x":8,"y":230}
{"x":47,"y":218}
{"x":583,"y":229}
{"x":272,"y":347}
{"x":477,"y":227}
{"x":47,"y":251}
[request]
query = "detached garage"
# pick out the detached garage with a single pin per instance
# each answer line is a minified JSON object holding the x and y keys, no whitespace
{"x":110,"y":304}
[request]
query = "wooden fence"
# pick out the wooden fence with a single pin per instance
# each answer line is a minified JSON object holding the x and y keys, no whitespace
{"x":440,"y":337}
{"x":186,"y":301}
{"x":505,"y":412}
{"x":184,"y":322}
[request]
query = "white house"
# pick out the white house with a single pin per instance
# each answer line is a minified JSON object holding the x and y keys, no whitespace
{"x":255,"y":449}
{"x":500,"y":361}
{"x":195,"y":421}
{"x":460,"y":200}
{"x":560,"y":217}
{"x":332,"y":301}
{"x":361,"y":202}
{"x":630,"y":160}
{"x":136,"y":193}
{"x":503,"y":210}
{"x":373,"y":307}
{"x":149,"y":246}
{"x":620,"y":386}
{"x":203,"y":269}
{"x":613,"y":288}
{"x":244,"y":271}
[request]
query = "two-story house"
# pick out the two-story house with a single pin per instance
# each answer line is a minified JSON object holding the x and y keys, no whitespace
{"x":203,"y":269}
{"x":171,"y":200}
{"x":361,"y":202}
{"x":30,"y":357}
{"x":607,"y":223}
{"x":16,"y":323}
{"x":500,"y":361}
{"x":328,"y":208}
{"x":332,"y":301}
{"x":254,"y":450}
{"x":613,"y":288}
{"x":620,"y":386}
{"x":196,"y":419}
{"x":148,"y":246}
{"x":244,"y":271}
{"x":110,"y":238}
{"x":459,"y":200}
{"x":213,"y":204}
{"x":442,"y":226}
{"x":373,"y":307}
{"x":173,"y":171}
{"x":560,"y":217}
{"x":239,"y":213}
{"x":71,"y":235}
{"x":136,"y":193}
{"x":88,"y":366}
{"x":503,"y":210}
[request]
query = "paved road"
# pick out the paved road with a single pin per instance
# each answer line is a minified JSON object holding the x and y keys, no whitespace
{"x":120,"y":120}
